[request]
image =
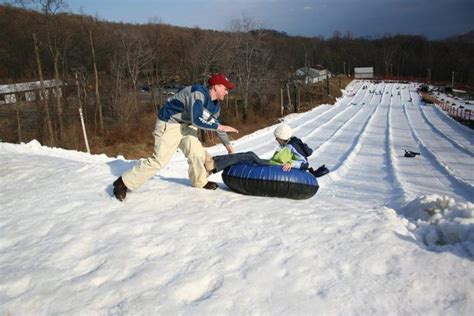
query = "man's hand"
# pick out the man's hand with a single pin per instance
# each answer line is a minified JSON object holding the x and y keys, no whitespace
{"x":286,"y":167}
{"x":227,"y":129}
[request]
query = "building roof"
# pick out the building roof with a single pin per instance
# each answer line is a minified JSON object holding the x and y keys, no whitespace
{"x":310,"y":72}
{"x":28,"y":86}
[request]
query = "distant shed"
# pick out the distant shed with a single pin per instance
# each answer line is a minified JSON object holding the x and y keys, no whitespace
{"x":364,"y":73}
{"x":310,"y":75}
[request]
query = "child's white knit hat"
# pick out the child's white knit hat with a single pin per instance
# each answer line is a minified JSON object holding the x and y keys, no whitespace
{"x":283,"y":132}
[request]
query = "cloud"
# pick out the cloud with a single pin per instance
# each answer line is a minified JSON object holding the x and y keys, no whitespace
{"x":308,"y":8}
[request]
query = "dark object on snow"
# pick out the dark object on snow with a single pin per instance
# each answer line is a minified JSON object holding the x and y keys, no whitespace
{"x":120,"y":189}
{"x":321,"y":171}
{"x":270,"y":180}
{"x":210,"y":186}
{"x":410,"y":154}
{"x":300,"y":147}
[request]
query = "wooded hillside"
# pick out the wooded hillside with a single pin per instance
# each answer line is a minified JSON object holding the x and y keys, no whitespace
{"x":119,"y":72}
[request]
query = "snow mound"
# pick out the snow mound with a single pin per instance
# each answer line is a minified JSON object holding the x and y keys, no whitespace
{"x":34,"y":147}
{"x":440,"y":221}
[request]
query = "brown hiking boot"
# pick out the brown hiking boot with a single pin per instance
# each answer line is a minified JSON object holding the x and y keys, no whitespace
{"x":210,"y":186}
{"x":120,"y":189}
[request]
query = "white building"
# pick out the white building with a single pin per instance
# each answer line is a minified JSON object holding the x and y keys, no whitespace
{"x":27,"y":91}
{"x":364,"y":73}
{"x":311,"y":75}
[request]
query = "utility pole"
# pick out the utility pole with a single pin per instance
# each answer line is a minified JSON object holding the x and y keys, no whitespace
{"x":452,"y":81}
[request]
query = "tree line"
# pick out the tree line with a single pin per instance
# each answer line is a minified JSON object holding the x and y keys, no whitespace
{"x":107,"y":65}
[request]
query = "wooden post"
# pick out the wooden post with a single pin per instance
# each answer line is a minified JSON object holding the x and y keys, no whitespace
{"x":289,"y":96}
{"x":281,"y":101}
{"x":297,"y":98}
{"x":18,"y":122}
{"x":84,"y":131}
{"x":327,"y":83}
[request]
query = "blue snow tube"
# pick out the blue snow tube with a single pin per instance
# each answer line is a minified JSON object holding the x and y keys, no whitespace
{"x":270,"y":180}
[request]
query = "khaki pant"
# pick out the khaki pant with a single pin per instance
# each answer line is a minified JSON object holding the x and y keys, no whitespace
{"x":168,"y":138}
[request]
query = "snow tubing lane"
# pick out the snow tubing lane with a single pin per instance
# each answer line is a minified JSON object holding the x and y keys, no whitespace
{"x":270,"y":180}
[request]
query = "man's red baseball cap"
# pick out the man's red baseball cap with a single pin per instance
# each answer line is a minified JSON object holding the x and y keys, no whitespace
{"x":220,"y":79}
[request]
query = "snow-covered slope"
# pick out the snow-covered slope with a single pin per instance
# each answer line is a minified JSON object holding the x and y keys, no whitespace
{"x":384,"y":235}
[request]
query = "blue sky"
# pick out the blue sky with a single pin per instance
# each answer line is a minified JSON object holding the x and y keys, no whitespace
{"x":435,"y":19}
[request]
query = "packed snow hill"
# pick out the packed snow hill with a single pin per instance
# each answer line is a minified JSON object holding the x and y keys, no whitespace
{"x":385,"y":233}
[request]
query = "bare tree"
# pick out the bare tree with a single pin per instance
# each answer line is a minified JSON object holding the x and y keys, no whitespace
{"x":136,"y":58}
{"x":90,"y":26}
{"x":389,"y":49}
{"x":55,"y":41}
{"x":154,"y":37}
{"x":407,"y":47}
{"x":44,"y":96}
{"x":251,"y":57}
{"x":117,"y":97}
{"x":202,"y":54}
